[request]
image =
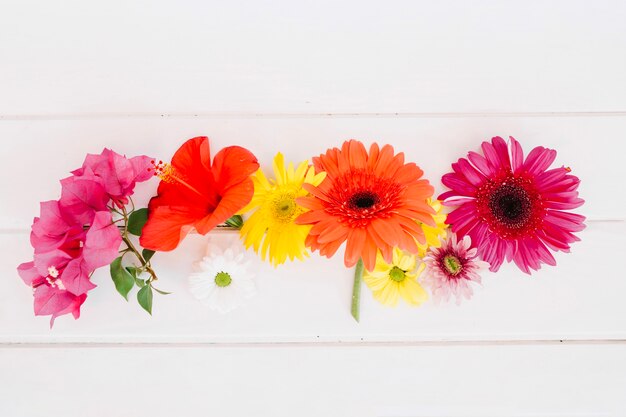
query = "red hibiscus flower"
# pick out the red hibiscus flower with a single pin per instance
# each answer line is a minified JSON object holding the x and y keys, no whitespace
{"x":194,"y":193}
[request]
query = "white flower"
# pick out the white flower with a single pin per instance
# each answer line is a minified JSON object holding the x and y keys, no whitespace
{"x":222,"y":279}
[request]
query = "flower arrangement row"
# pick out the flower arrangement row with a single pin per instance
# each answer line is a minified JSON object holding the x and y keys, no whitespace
{"x":370,"y":204}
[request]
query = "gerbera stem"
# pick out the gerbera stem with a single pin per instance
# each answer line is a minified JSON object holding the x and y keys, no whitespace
{"x":356,"y":290}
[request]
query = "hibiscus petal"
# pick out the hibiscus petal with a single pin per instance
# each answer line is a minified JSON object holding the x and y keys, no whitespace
{"x":234,"y":199}
{"x":231,"y":166}
{"x":167,"y":226}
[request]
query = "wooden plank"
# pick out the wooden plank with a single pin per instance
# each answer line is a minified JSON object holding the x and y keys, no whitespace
{"x":468,"y":381}
{"x":35,"y":154}
{"x":311,"y":57}
{"x":580,"y":299}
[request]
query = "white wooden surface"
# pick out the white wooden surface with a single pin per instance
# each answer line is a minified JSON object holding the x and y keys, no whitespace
{"x":141,"y":77}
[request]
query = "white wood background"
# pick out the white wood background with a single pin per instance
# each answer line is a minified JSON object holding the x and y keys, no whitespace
{"x":141,"y":77}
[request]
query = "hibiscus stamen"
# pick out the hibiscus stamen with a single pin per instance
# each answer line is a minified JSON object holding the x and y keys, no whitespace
{"x":169,"y":174}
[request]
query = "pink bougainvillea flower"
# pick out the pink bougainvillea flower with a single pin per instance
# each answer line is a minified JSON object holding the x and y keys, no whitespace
{"x":195,"y":193}
{"x":451,"y":268}
{"x":513,"y":208}
{"x":371,"y":201}
{"x":102,"y":241}
{"x":117,"y":173}
{"x":53,"y":229}
{"x":76,"y":235}
{"x":51,"y":297}
{"x":82,"y":197}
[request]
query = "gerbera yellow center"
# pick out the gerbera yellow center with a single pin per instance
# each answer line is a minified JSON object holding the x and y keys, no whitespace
{"x":397,"y":274}
{"x":223,"y":279}
{"x":284,"y":206}
{"x":452,"y":264}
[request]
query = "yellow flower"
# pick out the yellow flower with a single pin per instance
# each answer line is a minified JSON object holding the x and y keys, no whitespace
{"x":271,"y":228}
{"x":433,"y":233}
{"x":389,"y":282}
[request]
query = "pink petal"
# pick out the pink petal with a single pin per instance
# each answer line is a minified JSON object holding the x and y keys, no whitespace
{"x":502,"y":150}
{"x":56,"y":258}
{"x":102,"y":241}
{"x":458,"y":184}
{"x":28,"y":272}
{"x":538,"y":160}
{"x":465,"y":169}
{"x":75,"y":277}
{"x":82,"y":197}
{"x":142,"y":168}
{"x":517,"y":155}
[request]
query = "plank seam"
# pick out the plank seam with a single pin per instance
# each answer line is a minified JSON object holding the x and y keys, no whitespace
{"x":313,"y":115}
{"x":434,"y":343}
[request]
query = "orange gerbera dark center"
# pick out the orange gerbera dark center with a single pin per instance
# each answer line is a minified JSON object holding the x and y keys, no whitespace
{"x":363,"y":200}
{"x":510,"y":205}
{"x":360,"y":196}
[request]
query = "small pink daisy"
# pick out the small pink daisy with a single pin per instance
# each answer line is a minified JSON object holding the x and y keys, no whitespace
{"x":513,"y":207}
{"x":451,"y":268}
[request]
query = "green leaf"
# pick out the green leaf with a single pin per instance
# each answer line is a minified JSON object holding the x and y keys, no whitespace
{"x":137,"y":220}
{"x":132,"y":270}
{"x":144,"y":296}
{"x":161,"y":292}
{"x":122,"y":279}
{"x":147,"y":254}
{"x":236,"y":221}
{"x":140,"y":282}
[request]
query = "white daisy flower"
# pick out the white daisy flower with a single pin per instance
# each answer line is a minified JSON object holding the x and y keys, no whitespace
{"x":222,"y":279}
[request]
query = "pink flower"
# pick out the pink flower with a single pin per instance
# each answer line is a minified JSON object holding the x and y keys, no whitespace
{"x":51,"y":299}
{"x":513,"y":208}
{"x":76,"y":235}
{"x":117,"y":173}
{"x":451,"y":268}
{"x":53,"y":229}
{"x":101,"y":242}
{"x":82,"y":197}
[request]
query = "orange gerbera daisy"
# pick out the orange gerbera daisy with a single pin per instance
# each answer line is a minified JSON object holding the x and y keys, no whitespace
{"x":371,"y":201}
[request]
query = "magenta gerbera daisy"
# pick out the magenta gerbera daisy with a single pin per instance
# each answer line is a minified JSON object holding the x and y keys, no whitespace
{"x":451,"y":268}
{"x":513,"y":208}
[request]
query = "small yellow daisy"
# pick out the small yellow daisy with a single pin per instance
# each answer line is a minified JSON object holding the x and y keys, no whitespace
{"x":433,"y":233}
{"x":271,"y":227}
{"x":389,"y":282}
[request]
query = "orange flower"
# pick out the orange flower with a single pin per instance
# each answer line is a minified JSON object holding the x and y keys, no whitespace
{"x":370,"y":201}
{"x":195,"y":193}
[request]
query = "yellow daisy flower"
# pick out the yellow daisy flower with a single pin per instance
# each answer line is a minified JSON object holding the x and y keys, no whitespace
{"x":271,"y":227}
{"x":433,"y":233}
{"x":389,"y":282}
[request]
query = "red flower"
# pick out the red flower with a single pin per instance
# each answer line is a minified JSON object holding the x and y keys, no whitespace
{"x":194,"y":193}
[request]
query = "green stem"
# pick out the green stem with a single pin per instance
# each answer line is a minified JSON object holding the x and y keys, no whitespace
{"x":356,"y":290}
{"x":145,"y":265}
